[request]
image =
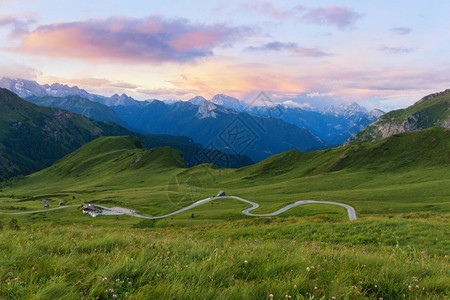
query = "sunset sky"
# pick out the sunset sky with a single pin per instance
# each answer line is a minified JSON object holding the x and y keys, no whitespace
{"x":384,"y":54}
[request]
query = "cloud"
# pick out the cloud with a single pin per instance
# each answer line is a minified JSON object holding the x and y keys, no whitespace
{"x":268,"y":9}
{"x":401,"y":30}
{"x":292,"y":47}
{"x":20,"y":26}
{"x":169,"y":93}
{"x":318,"y":94}
{"x":291,"y":103}
{"x":16,"y":70}
{"x":397,"y":50}
{"x":102,"y":82}
{"x":151,"y":40}
{"x":339,"y":16}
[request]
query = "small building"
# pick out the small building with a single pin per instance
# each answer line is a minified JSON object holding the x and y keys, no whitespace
{"x":221,"y":194}
{"x":90,"y":210}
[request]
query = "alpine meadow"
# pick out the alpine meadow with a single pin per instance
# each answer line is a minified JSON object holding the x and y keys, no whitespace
{"x":224,"y":150}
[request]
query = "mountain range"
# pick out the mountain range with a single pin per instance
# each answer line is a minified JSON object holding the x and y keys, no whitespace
{"x":33,"y":137}
{"x":268,"y":128}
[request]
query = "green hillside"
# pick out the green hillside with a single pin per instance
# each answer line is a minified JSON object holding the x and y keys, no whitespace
{"x":418,"y":149}
{"x":402,"y":173}
{"x":33,"y":137}
{"x":431,"y":110}
{"x":397,"y":248}
{"x":435,"y":106}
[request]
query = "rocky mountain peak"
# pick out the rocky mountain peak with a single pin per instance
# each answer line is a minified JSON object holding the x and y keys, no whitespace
{"x":376,"y":113}
{"x":345,"y":109}
{"x":206,"y":110}
{"x":431,"y":96}
{"x":227,"y":101}
{"x":197,"y":100}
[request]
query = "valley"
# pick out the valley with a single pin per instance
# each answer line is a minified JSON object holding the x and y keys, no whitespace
{"x":224,"y":150}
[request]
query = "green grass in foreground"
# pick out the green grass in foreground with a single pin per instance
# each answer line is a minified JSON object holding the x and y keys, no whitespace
{"x":371,"y":258}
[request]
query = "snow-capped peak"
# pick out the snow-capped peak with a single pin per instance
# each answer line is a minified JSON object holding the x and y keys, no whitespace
{"x":227,"y":101}
{"x":198,"y":100}
{"x":345,"y":109}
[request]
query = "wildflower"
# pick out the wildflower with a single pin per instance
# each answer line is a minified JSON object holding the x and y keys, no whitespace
{"x":117,"y":280}
{"x":111,"y":290}
{"x":217,"y":249}
{"x":417,"y":286}
{"x":271,"y":296}
{"x":409,"y":287}
{"x":245,"y":262}
{"x":286,"y":296}
{"x":295,"y":286}
{"x":308,"y":269}
{"x":316,"y":288}
{"x":376,"y":285}
{"x":129,"y":282}
{"x":114,"y":296}
{"x":104,"y":278}
{"x":334,"y":298}
{"x":256,"y":241}
{"x":360,"y":282}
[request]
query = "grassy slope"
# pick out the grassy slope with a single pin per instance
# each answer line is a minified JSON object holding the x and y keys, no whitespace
{"x":34,"y":137}
{"x":404,"y":173}
{"x":433,"y":112}
{"x":305,"y":259}
{"x":435,"y":108}
{"x":403,"y":179}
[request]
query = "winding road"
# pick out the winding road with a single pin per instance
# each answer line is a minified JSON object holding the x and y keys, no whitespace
{"x":125,"y":211}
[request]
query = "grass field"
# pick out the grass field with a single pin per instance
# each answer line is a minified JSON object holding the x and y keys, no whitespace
{"x":402,"y":174}
{"x":397,"y":249}
{"x":309,"y":258}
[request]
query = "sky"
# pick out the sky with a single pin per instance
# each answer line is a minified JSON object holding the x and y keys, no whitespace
{"x":384,"y":54}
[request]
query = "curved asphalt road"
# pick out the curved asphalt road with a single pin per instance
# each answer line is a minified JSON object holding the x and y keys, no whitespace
{"x":119,"y":210}
{"x":37,"y":211}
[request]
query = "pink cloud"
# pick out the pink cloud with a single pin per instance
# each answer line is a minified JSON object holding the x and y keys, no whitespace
{"x":19,"y":25}
{"x":151,"y":40}
{"x":341,"y":17}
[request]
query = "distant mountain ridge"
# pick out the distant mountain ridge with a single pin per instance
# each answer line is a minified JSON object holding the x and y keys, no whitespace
{"x":33,"y":137}
{"x":26,"y":88}
{"x":332,"y":125}
{"x":80,"y":105}
{"x":218,"y":127}
{"x":432,"y":110}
